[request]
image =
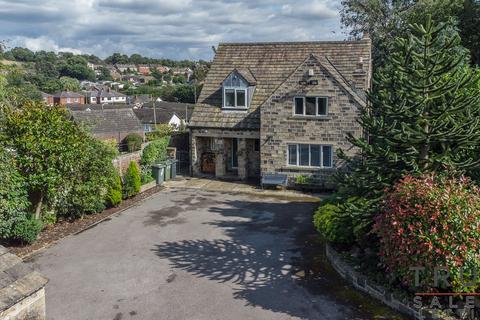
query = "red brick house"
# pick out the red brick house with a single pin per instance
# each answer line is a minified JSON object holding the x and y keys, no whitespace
{"x":68,"y":97}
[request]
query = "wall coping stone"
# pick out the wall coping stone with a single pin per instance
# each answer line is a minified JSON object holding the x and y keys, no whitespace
{"x":364,"y":284}
{"x":17,"y":280}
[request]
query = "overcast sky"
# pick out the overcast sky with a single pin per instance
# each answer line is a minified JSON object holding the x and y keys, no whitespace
{"x":174,"y":29}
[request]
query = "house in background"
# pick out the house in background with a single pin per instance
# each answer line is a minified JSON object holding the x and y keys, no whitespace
{"x":68,"y":97}
{"x":109,"y":124}
{"x":143,"y":69}
{"x":175,"y":114}
{"x":48,"y":99}
{"x":125,"y":67}
{"x":280,"y":108}
{"x":103,"y":96}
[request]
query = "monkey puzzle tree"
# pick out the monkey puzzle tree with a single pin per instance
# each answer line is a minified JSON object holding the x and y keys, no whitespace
{"x":424,"y":114}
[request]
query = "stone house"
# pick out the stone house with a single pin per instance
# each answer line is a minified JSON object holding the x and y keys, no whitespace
{"x":279,"y":108}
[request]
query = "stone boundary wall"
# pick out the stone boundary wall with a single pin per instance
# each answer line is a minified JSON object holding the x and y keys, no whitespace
{"x":22,"y":290}
{"x":123,"y":161}
{"x":362,"y":283}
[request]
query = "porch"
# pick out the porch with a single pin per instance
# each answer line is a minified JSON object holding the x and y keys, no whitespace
{"x":226,"y":157}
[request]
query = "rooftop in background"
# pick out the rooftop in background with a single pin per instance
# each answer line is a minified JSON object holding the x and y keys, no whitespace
{"x":164,"y":111}
{"x":97,"y":107}
{"x":111,"y":122}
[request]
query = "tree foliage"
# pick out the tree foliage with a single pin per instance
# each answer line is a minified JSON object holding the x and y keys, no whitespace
{"x":132,"y":181}
{"x":424,"y":114}
{"x":14,"y":204}
{"x":386,"y":20}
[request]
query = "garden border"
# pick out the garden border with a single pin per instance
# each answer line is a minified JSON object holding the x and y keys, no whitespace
{"x":362,"y":283}
{"x":29,"y":255}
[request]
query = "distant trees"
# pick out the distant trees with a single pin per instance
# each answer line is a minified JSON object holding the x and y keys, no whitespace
{"x":385,"y":20}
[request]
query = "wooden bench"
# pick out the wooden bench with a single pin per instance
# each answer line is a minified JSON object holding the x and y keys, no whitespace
{"x":274,"y":180}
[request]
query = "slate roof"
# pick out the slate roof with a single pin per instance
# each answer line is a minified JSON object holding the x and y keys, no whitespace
{"x":270,"y":64}
{"x":68,"y":94}
{"x":96,"y":106}
{"x":109,"y":120}
{"x":164,"y":111}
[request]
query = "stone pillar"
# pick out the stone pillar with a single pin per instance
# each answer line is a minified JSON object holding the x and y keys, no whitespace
{"x":22,"y":290}
{"x":194,"y":161}
{"x":242,"y":158}
{"x":220,"y":158}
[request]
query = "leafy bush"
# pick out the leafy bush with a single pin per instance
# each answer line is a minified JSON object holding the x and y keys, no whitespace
{"x":13,"y":196}
{"x":155,"y":151}
{"x":302,"y":179}
{"x":133,"y":142}
{"x":147,"y":176}
{"x":344,"y":222}
{"x":85,"y":191}
{"x":132,"y":180}
{"x":161,"y":131}
{"x":332,"y":224}
{"x":431,"y":222}
{"x":27,"y":230}
{"x":114,"y":193}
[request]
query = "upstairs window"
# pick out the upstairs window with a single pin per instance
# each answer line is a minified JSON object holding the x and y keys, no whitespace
{"x":235,"y":92}
{"x":310,"y":106}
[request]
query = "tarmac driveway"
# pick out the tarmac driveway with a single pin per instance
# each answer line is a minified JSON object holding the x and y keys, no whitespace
{"x":191,"y":254}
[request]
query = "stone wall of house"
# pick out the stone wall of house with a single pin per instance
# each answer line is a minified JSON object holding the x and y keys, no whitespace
{"x":253,"y":159}
{"x":22,"y":290}
{"x":279,"y":125}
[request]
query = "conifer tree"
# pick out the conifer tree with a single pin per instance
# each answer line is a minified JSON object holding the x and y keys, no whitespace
{"x":423,"y":115}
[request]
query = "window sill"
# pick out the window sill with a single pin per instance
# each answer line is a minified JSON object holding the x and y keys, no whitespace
{"x":235,"y":109}
{"x":299,"y":117}
{"x":301,"y":168}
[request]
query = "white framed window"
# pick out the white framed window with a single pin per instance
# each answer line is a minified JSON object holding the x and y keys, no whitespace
{"x":75,"y":99}
{"x":310,"y":106}
{"x":310,"y":155}
{"x":69,"y":100}
{"x":234,"y":97}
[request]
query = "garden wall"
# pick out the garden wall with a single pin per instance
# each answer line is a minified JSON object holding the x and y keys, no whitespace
{"x":22,"y":290}
{"x":365,"y":285}
{"x":122,"y":161}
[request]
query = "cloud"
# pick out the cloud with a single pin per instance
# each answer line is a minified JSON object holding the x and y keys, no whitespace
{"x":43,"y":43}
{"x":178,"y":29}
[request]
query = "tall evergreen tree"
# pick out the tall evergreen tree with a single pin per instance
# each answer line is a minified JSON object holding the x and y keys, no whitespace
{"x":424,"y":114}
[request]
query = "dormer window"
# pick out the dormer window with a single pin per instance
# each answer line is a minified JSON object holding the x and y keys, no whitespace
{"x":236,"y":90}
{"x":235,"y":98}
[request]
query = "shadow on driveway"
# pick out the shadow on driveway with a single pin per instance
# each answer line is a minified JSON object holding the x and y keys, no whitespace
{"x":264,"y":261}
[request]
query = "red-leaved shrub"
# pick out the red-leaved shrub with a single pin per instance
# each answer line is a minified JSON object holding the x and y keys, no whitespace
{"x":432,"y":222}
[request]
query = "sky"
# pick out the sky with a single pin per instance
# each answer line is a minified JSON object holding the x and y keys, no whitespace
{"x":175,"y":29}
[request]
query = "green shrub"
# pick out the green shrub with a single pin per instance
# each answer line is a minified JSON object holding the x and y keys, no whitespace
{"x":133,"y":142}
{"x":147,"y":176}
{"x":27,"y":230}
{"x":155,"y":151}
{"x":161,"y":131}
{"x":114,"y":193}
{"x":132,"y":180}
{"x":431,"y":222}
{"x":345,"y":222}
{"x":49,"y":218}
{"x":333,"y":224}
{"x":14,"y":202}
{"x":302,"y":179}
{"x":85,"y":192}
